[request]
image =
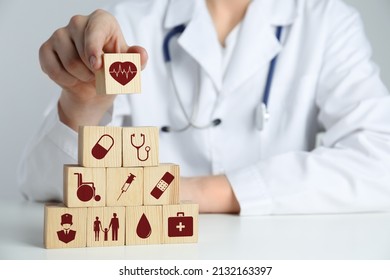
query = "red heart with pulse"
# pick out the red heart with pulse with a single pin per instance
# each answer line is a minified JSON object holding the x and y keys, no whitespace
{"x":123,"y":72}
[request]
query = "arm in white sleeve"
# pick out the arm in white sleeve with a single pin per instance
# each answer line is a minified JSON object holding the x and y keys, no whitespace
{"x":41,"y":167}
{"x":350,"y":171}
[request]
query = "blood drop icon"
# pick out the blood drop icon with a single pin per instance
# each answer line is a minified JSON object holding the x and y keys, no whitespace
{"x":143,"y":228}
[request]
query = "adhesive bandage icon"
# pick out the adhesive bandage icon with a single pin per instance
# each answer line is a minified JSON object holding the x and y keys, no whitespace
{"x":162,"y":185}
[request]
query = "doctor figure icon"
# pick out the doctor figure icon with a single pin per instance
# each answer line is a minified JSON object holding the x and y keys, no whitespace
{"x":66,"y":235}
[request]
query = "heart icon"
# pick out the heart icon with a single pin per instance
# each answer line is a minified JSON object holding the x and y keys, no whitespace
{"x":123,"y":72}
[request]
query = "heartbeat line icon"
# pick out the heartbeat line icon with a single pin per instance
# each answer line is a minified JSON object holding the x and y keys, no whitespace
{"x":123,"y":72}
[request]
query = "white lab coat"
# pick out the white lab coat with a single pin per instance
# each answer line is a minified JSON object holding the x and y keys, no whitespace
{"x":324,"y":82}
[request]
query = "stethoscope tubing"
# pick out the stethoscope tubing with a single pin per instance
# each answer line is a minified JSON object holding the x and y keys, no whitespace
{"x":271,"y":71}
{"x":179,"y":29}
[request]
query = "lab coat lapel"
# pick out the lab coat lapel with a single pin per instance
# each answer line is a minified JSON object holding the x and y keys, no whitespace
{"x":257,"y":44}
{"x":199,"y":39}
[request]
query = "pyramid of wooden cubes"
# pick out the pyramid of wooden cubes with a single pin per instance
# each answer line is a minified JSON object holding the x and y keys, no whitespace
{"x":120,"y":194}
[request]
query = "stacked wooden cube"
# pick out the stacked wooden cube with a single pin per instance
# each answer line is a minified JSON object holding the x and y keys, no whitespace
{"x":119,"y":194}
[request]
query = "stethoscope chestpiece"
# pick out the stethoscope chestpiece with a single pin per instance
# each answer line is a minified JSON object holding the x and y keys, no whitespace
{"x":261,"y":116}
{"x":165,"y":129}
{"x":214,"y":123}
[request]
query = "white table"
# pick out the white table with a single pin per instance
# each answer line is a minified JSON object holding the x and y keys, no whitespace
{"x":306,"y":237}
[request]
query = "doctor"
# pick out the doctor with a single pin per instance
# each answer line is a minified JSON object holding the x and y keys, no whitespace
{"x":240,"y":90}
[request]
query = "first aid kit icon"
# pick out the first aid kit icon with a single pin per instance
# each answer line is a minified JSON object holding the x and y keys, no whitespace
{"x":181,"y":225}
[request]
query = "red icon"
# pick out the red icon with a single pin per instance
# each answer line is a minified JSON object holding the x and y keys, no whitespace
{"x":99,"y":151}
{"x":143,"y":228}
{"x":162,"y":185}
{"x":86,"y":190}
{"x":113,"y":226}
{"x":123,"y":72}
{"x":180,"y":226}
{"x":138,"y":147}
{"x":66,"y":235}
{"x":105,"y":234}
{"x":127,"y":184}
{"x":97,"y":226}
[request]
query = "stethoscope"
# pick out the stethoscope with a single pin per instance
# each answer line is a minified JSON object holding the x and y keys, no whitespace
{"x":261,"y":115}
{"x":139,"y":146}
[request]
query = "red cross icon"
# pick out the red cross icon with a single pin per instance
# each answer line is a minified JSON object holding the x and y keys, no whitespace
{"x":180,"y":226}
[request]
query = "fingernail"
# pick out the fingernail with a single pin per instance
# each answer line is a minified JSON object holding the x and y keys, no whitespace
{"x":92,"y":61}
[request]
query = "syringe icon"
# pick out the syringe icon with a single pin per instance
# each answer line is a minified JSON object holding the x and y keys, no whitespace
{"x":127,"y":184}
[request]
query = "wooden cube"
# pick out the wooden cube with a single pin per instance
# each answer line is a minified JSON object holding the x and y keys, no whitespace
{"x":106,"y":226}
{"x":64,"y":227}
{"x":125,"y":186}
{"x":180,"y":223}
{"x":161,"y":184}
{"x":143,"y":225}
{"x":100,"y":146}
{"x":120,"y":74}
{"x":140,"y":146}
{"x":84,"y":187}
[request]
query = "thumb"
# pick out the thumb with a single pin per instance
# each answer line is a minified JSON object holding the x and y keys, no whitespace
{"x":143,"y":54}
{"x":102,"y":34}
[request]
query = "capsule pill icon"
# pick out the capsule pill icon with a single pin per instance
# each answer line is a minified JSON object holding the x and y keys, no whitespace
{"x":102,"y":146}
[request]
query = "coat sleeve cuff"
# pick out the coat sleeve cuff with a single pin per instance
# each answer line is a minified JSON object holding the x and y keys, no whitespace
{"x":250,"y":191}
{"x":115,"y":115}
{"x":61,"y":135}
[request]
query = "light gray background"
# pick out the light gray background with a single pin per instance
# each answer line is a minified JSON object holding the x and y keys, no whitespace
{"x":25,"y":25}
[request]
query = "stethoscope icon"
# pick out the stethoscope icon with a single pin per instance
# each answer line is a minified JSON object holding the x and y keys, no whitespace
{"x":147,"y":148}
